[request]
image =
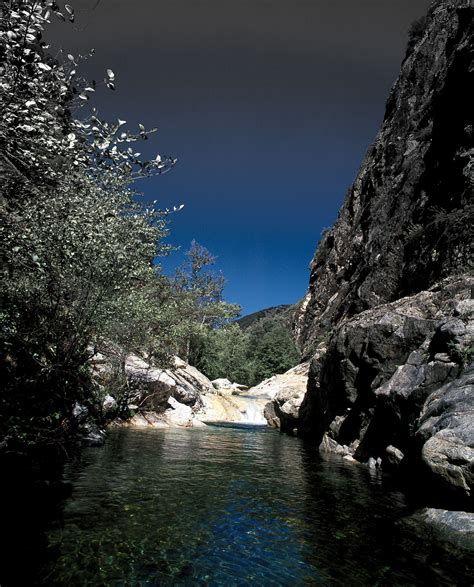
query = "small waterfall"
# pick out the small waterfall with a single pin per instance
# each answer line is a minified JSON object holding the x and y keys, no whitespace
{"x":233,"y":408}
{"x":253,"y":413}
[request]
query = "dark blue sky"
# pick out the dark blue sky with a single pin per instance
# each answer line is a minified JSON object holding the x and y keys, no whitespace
{"x":269,"y":107}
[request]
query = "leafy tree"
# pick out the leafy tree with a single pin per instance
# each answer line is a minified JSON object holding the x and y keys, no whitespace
{"x":77,"y":247}
{"x":248,"y":355}
{"x":224,"y":353}
{"x":272,"y":349}
{"x":200,"y":292}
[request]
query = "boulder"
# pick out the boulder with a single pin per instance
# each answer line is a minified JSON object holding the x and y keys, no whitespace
{"x":222,"y":383}
{"x":150,"y":387}
{"x":187,"y":375}
{"x":446,"y":429}
{"x":286,"y":392}
{"x":271,"y":416}
{"x":79,"y":412}
{"x":287,"y":403}
{"x":295,"y":378}
{"x":394,"y":456}
{"x":155,"y":386}
{"x":329,"y":445}
{"x":226,"y":387}
{"x":445,"y":527}
{"x":384,"y":382}
{"x":161,"y":398}
{"x":179,"y":414}
{"x":240,"y":386}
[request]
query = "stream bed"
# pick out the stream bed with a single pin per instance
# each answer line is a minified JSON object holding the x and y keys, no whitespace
{"x":230,"y":506}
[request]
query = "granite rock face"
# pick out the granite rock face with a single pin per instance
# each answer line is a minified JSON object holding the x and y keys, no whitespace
{"x":155,"y":386}
{"x":405,"y":223}
{"x":447,"y":431}
{"x":381,"y":388}
{"x":286,"y":392}
{"x":181,"y":396}
{"x":390,"y":288}
{"x":157,"y":398}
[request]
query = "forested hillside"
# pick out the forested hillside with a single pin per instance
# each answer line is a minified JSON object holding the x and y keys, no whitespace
{"x":250,"y":319}
{"x":251,"y":349}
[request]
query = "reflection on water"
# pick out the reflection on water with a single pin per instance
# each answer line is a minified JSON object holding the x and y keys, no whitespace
{"x":221,"y":506}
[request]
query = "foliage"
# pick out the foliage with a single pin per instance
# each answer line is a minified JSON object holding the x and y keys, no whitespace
{"x":250,"y":319}
{"x":224,"y":353}
{"x":248,"y":356}
{"x":199,"y":292}
{"x":77,"y":247}
{"x":273,"y":348}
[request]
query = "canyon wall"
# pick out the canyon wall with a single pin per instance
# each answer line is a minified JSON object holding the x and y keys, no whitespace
{"x":387,"y":322}
{"x":405,"y":223}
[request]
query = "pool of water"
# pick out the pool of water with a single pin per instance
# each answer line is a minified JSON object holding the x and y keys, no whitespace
{"x":228,"y":506}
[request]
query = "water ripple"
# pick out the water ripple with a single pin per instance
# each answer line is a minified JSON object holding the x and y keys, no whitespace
{"x":222,"y":506}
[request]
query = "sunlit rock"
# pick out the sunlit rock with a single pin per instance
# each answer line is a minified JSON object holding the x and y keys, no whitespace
{"x":286,"y":392}
{"x":179,"y":414}
{"x":232,"y":408}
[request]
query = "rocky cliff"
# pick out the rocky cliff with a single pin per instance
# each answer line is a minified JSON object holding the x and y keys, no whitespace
{"x":405,"y":223}
{"x":388,"y":321}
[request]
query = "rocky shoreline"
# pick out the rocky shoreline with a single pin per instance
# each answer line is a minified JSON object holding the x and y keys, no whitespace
{"x":180,"y":396}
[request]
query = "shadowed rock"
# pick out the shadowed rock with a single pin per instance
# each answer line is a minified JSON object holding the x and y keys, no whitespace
{"x":447,"y":430}
{"x":390,"y":287}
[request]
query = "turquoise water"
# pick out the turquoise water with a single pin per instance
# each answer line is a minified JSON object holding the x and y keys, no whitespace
{"x":227,"y":506}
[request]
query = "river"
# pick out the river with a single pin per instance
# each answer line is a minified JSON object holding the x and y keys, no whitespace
{"x":228,"y":506}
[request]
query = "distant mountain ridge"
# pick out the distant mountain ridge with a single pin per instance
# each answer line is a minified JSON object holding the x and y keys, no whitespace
{"x":250,"y":319}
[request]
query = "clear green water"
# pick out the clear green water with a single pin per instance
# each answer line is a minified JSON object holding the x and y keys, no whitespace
{"x":224,"y":506}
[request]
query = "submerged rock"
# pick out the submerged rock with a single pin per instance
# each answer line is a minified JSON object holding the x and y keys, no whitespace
{"x":451,"y":528}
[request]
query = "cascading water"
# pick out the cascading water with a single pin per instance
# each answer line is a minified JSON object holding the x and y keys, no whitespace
{"x":233,"y":408}
{"x":253,"y":411}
